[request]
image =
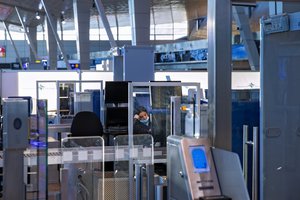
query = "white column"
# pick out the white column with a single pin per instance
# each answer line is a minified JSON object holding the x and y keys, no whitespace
{"x":51,"y":43}
{"x":32,"y":35}
{"x":139,"y":11}
{"x":82,"y":29}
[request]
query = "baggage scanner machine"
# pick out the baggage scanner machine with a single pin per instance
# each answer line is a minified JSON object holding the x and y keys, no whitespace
{"x":197,"y":171}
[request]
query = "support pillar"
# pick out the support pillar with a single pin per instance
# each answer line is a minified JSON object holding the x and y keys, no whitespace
{"x":51,"y":25}
{"x":219,"y":72}
{"x":139,"y":11}
{"x":51,"y":43}
{"x":82,"y":29}
{"x":32,"y":34}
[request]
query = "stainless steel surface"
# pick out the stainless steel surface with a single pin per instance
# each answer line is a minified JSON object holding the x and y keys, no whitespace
{"x":15,"y":123}
{"x":130,"y":136}
{"x":255,"y":164}
{"x":159,"y":183}
{"x":183,"y":181}
{"x":175,"y":116}
{"x":279,"y":114}
{"x":230,"y":174}
{"x":219,"y":73}
{"x":15,"y":129}
{"x":245,"y":152}
{"x":13,"y":174}
{"x":59,"y":128}
{"x":64,"y":183}
{"x":150,"y":181}
{"x":138,"y":181}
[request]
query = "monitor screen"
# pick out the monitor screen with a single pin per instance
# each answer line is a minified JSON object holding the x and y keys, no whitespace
{"x":116,"y":92}
{"x":116,"y":116}
{"x":199,"y":159}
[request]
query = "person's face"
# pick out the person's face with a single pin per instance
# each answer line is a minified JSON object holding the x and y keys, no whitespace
{"x":143,"y":115}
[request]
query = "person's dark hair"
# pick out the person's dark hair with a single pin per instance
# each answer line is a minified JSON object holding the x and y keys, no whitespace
{"x":140,"y":109}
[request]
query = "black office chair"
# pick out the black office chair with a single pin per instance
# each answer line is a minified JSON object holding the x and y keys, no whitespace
{"x":86,"y":123}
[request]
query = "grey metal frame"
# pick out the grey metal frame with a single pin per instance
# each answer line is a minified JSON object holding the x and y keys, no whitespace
{"x":80,"y":83}
{"x":131,"y":111}
{"x":219,"y":72}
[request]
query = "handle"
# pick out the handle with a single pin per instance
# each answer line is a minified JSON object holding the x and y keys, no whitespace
{"x":245,"y":152}
{"x":255,"y":163}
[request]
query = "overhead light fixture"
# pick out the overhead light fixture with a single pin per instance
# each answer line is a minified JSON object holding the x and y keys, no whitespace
{"x":40,"y":6}
{"x":37,"y":15}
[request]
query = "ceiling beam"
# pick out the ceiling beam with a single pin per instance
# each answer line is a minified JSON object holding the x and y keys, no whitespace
{"x":13,"y":23}
{"x":20,"y":6}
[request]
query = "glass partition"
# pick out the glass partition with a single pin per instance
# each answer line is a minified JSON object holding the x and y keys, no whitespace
{"x":150,"y":112}
{"x":83,"y":168}
{"x":129,"y":159}
{"x":155,"y":99}
{"x":37,"y":187}
{"x":66,"y":98}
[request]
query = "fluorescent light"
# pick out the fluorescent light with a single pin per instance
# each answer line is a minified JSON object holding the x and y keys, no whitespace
{"x":37,"y":15}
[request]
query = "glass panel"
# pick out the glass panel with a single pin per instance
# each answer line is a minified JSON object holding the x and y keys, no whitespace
{"x":155,"y":100}
{"x":150,"y":112}
{"x":83,"y":168}
{"x":44,"y":89}
{"x":70,"y":97}
{"x":128,"y":156}
{"x":39,"y":183}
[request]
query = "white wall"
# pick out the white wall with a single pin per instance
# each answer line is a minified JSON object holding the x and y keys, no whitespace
{"x":23,"y":83}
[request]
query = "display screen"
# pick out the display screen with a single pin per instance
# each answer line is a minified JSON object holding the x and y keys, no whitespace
{"x":116,"y":116}
{"x":199,"y":159}
{"x":116,"y":92}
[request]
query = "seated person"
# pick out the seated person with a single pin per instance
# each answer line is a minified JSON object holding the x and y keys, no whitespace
{"x":141,"y":122}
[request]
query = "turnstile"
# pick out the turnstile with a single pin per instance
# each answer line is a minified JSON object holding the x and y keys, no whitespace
{"x":197,"y":171}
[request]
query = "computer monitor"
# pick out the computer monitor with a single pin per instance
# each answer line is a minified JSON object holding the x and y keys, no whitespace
{"x":116,"y":92}
{"x":116,"y":117}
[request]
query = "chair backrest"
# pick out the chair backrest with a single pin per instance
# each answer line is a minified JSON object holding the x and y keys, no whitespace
{"x":86,"y":123}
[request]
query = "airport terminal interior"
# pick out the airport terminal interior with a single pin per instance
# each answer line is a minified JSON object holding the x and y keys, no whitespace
{"x":149,"y":100}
